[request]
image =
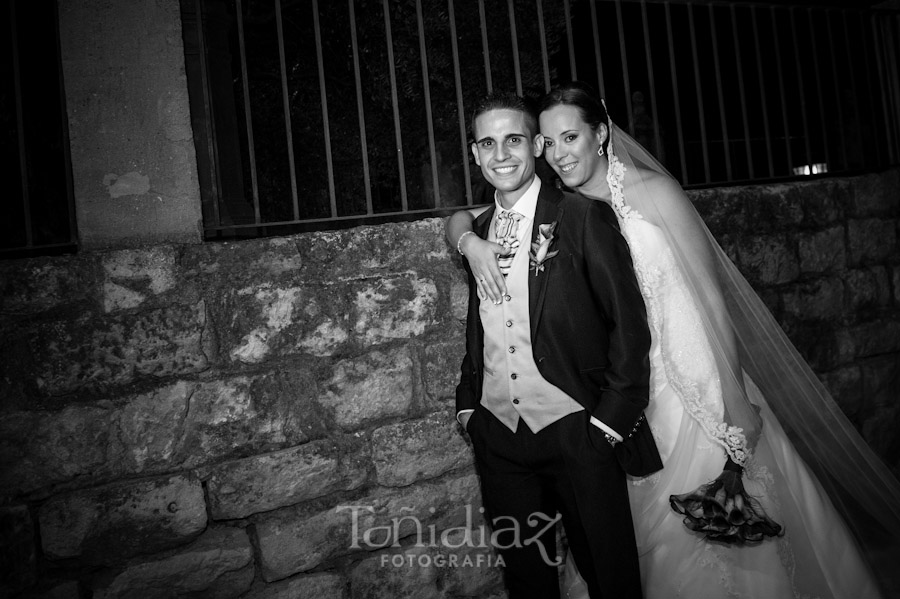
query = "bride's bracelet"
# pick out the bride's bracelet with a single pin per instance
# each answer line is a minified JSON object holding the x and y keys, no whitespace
{"x":459,"y":242}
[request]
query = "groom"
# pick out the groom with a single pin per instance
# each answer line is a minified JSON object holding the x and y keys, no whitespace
{"x":556,"y":376}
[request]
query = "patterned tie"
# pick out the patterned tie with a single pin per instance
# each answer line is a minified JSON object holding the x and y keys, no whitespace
{"x":507,"y":228}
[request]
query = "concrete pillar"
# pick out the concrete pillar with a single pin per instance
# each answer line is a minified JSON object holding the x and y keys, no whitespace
{"x":133,"y":162}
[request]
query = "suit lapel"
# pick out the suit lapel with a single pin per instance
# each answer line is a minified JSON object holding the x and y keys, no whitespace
{"x":547,"y":211}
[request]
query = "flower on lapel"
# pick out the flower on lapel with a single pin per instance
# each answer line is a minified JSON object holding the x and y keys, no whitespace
{"x":540,"y":247}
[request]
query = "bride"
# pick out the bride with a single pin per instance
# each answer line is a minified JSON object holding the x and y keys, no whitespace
{"x":767,"y":491}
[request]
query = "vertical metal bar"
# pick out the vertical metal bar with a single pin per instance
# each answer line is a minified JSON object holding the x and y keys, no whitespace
{"x":881,"y":78}
{"x":460,"y":108}
{"x":395,"y":103}
{"x":802,"y":88}
{"x":884,"y":79}
{"x":428,"y":116}
{"x":815,"y":56}
{"x":542,"y":32}
{"x":67,"y":148}
{"x":784,"y":110}
{"x":678,"y":126}
{"x":285,"y":98}
{"x":573,"y":70}
{"x":889,"y":81}
{"x":329,"y":160}
{"x":514,"y":37}
{"x":485,"y":51}
{"x":596,"y":31}
{"x":869,"y":93}
{"x":740,"y":73}
{"x":852,"y":72}
{"x":837,"y":85}
{"x":248,"y":118}
{"x":724,"y":123}
{"x":893,"y":79}
{"x":357,"y":77}
{"x":761,"y":81}
{"x":211,"y":147}
{"x":699,"y":88}
{"x":656,"y":133}
{"x":20,"y":122}
{"x":626,"y":81}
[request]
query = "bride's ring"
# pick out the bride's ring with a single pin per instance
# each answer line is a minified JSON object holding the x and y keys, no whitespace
{"x":482,"y":280}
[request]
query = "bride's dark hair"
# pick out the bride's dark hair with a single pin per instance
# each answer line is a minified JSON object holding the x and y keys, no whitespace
{"x":583,"y":97}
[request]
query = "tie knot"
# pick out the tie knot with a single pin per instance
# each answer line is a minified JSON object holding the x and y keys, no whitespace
{"x":509,"y":215}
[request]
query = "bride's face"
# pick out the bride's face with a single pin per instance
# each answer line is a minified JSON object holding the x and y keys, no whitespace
{"x":570,"y":146}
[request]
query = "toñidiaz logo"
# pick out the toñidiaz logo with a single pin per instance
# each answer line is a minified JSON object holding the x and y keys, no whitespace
{"x":505,"y":533}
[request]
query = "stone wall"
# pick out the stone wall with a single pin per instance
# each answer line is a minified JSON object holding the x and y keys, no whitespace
{"x":274,"y":418}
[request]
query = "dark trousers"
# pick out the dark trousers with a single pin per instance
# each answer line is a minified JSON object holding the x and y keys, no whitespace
{"x":565,"y":468}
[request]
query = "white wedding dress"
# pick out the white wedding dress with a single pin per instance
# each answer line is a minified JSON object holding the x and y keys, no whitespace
{"x":816,"y":557}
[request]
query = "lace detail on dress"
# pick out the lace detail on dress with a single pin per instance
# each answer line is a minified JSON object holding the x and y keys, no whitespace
{"x":690,"y":368}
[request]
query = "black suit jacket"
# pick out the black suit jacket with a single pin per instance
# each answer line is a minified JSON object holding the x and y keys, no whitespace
{"x":589,"y":330}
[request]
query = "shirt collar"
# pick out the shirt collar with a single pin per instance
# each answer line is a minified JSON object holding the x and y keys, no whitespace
{"x":527,"y":204}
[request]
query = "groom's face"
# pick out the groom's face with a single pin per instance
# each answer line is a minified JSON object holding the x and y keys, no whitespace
{"x":505,"y":150}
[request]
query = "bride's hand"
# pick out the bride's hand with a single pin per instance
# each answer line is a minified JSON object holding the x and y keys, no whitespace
{"x":482,"y":257}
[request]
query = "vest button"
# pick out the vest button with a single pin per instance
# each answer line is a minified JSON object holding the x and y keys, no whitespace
{"x":512,"y":350}
{"x":514,"y":376}
{"x":507,"y":297}
{"x":516,"y":401}
{"x":509,"y":323}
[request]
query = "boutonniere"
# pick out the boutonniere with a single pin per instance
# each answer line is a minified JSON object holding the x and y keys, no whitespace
{"x":540,"y":247}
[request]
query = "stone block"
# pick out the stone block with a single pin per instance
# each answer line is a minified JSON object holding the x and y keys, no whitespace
{"x":867,"y":288}
{"x":818,"y":299}
{"x":475,"y":570}
{"x":265,"y":482}
{"x":106,"y":525}
{"x":768,"y":259}
{"x":723,"y":209}
{"x":43,"y":284}
{"x":822,"y":251}
{"x":459,"y":298}
{"x":272,"y":319}
{"x":303,"y":586}
{"x":18,"y":558}
{"x":871,"y":240}
{"x":845,"y":386}
{"x":295,"y":540}
{"x":774,"y":207}
{"x":238,"y":415}
{"x":90,"y":353}
{"x":374,"y":386}
{"x":895,"y":284}
{"x":875,"y":195}
{"x":870,"y":339}
{"x":132,"y":276}
{"x":418,"y":449}
{"x":824,"y":202}
{"x":881,"y":381}
{"x":218,"y":565}
{"x":397,"y":307}
{"x":442,"y":363}
{"x":38,"y":449}
{"x":375,"y":578}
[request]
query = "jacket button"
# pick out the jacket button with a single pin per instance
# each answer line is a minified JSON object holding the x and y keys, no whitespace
{"x":516,"y":401}
{"x":509,"y":323}
{"x":512,"y":350}
{"x":514,"y":376}
{"x":507,"y":297}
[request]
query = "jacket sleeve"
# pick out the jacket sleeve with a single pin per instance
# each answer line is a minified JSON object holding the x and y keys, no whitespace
{"x":467,"y":397}
{"x":615,"y":288}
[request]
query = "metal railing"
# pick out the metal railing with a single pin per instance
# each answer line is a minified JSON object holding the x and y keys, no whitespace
{"x":316,"y":114}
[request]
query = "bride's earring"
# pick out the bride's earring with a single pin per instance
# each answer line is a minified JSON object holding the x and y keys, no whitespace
{"x":600,"y":151}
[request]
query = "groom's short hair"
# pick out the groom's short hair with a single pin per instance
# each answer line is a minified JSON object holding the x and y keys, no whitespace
{"x":506,"y":101}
